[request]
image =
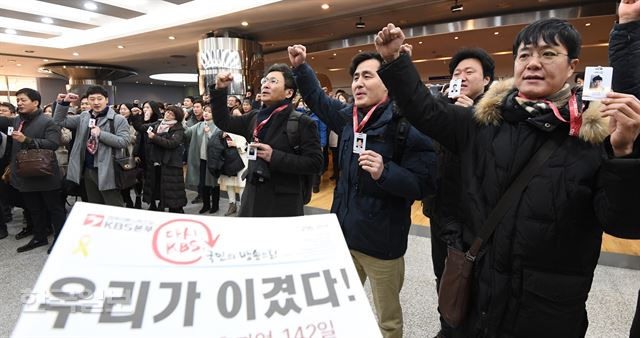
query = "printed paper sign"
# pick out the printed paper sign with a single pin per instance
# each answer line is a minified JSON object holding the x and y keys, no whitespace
{"x":118,"y":272}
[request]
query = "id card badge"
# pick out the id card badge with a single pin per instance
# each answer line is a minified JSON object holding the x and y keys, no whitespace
{"x":92,"y":123}
{"x":150,"y":129}
{"x":597,"y":83}
{"x":359,"y":142}
{"x":454,"y":88}
{"x":252,"y":153}
{"x":9,"y":130}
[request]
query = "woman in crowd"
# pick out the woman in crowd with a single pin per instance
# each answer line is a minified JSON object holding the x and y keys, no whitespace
{"x":125,"y":110}
{"x":322,"y":131}
{"x":197,"y":136}
{"x":246,"y":106}
{"x":164,"y":181}
{"x":234,"y":185}
{"x":150,"y":114}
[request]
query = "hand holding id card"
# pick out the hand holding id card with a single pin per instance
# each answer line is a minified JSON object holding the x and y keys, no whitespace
{"x":9,"y":131}
{"x":597,"y":83}
{"x":92,"y":123}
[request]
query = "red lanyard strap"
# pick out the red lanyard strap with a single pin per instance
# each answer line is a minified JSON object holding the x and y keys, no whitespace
{"x":358,"y":127}
{"x":259,"y":127}
{"x":574,"y":113}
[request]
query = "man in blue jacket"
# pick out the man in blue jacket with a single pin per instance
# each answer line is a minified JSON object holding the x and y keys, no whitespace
{"x":377,"y":186}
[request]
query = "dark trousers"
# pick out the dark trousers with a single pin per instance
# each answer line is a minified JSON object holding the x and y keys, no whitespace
{"x":438,"y":257}
{"x":635,"y":326}
{"x":46,"y":210}
{"x":210,"y":195}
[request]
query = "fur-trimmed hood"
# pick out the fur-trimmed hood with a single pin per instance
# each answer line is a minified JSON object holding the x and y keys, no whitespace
{"x":488,"y":112}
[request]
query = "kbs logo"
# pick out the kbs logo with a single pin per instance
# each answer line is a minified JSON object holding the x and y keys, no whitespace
{"x":181,"y":241}
{"x":93,"y":220}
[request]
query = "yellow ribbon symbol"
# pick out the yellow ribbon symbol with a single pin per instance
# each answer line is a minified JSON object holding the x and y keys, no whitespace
{"x":82,"y":246}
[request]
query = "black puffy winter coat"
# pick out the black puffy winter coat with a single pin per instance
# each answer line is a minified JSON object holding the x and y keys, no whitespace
{"x":533,"y":276}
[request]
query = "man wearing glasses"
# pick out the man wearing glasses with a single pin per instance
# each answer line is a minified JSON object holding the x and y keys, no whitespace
{"x":275,"y":178}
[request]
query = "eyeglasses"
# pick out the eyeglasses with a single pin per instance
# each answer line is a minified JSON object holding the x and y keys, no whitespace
{"x":271,"y":80}
{"x":545,"y":57}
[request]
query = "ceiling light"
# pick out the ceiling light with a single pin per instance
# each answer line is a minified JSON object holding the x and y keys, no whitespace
{"x":19,"y":64}
{"x":313,"y":58}
{"x":335,"y":54}
{"x":120,"y":46}
{"x":359,"y":50}
{"x":588,"y":24}
{"x":46,"y":20}
{"x":12,"y":60}
{"x":10,"y":31}
{"x":244,"y":23}
{"x":176,"y":77}
{"x":45,"y":60}
{"x":420,"y":42}
{"x":172,"y":37}
{"x":76,"y":53}
{"x":456,"y":7}
{"x":325,"y":6}
{"x":90,"y":6}
{"x":456,"y":37}
{"x":335,"y":69}
{"x":496,"y":33}
{"x":360,"y":24}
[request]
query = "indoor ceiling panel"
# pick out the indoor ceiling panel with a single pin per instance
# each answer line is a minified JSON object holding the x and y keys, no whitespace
{"x":101,"y":8}
{"x":38,"y":19}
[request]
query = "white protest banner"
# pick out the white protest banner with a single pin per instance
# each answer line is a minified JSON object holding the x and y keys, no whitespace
{"x":118,"y":272}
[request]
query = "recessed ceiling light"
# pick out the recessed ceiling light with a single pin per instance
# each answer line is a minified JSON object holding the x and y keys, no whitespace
{"x":313,"y":58}
{"x":176,"y":77}
{"x":10,"y":31}
{"x":244,"y":23}
{"x":47,"y":20}
{"x":496,"y":33}
{"x":150,"y":82}
{"x":420,"y":42}
{"x":90,"y":6}
{"x":335,"y":54}
{"x":359,"y":50}
{"x":120,"y":46}
{"x":325,"y":6}
{"x":12,"y":60}
{"x":19,"y":64}
{"x":76,"y":53}
{"x":45,"y":60}
{"x":456,"y":37}
{"x":172,"y":37}
{"x":588,"y":24}
{"x":335,"y":69}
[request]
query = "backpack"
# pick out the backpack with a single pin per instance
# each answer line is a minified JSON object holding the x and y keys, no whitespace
{"x":293,"y":134}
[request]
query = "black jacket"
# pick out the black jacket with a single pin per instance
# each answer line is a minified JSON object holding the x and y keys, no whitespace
{"x":281,"y":194}
{"x":165,"y":149}
{"x":375,"y":216}
{"x":534,"y":274}
{"x":41,"y":132}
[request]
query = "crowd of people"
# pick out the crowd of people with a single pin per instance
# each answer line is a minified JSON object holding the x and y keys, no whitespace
{"x":395,"y":141}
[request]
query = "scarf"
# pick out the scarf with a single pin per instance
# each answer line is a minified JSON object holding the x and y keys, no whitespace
{"x":541,"y":107}
{"x":165,"y":125}
{"x":264,"y":113}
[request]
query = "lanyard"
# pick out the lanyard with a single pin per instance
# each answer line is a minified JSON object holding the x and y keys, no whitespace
{"x":358,"y":127}
{"x":259,"y":127}
{"x":574,"y":114}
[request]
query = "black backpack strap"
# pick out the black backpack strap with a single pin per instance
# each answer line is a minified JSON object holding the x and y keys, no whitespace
{"x":400,"y":140}
{"x":513,"y":193}
{"x":293,"y":130}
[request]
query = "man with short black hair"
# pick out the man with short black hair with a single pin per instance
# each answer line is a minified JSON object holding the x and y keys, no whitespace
{"x":100,"y":131}
{"x":275,"y":178}
{"x":385,"y":166}
{"x":7,"y":109}
{"x":475,"y":68}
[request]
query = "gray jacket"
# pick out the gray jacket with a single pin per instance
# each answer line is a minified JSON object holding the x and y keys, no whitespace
{"x":108,"y":140}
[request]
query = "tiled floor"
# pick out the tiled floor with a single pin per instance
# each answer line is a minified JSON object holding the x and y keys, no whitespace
{"x":611,"y":302}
